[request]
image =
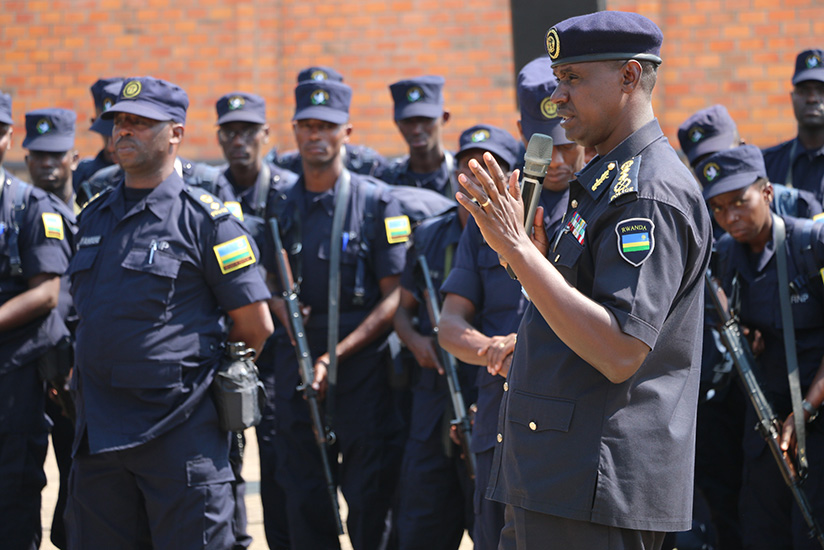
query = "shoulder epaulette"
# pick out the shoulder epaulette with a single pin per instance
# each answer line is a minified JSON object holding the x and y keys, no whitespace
{"x":626,"y":182}
{"x":96,"y":196}
{"x":208,"y":202}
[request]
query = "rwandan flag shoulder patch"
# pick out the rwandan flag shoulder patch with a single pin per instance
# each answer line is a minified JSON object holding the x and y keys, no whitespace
{"x":53,"y":225}
{"x":635,"y":239}
{"x":397,"y":229}
{"x":235,"y":254}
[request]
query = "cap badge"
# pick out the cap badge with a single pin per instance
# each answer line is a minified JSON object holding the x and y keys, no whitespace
{"x":43,"y":126}
{"x":553,"y":44}
{"x":319,"y":75}
{"x":695,"y":134}
{"x":236,"y":102}
{"x":320,"y":97}
{"x":107,"y":103}
{"x":548,"y":108}
{"x":132,"y":89}
{"x":480,"y":135}
{"x":813,"y":61}
{"x":711,"y":171}
{"x":414,"y":94}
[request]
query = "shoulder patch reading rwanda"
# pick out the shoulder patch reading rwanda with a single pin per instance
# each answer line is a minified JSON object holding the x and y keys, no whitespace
{"x":234,"y":254}
{"x":397,"y":229}
{"x":635,"y":239}
{"x":53,"y":225}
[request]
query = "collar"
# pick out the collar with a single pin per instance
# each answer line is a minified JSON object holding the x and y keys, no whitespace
{"x":325,"y":198}
{"x":797,"y":150}
{"x":597,"y":176}
{"x":159,"y":201}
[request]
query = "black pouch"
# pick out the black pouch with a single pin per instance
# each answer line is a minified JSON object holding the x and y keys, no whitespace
{"x":237,"y":389}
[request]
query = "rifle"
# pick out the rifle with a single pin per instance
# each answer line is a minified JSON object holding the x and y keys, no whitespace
{"x":769,"y":424}
{"x":461,"y":420}
{"x":323,"y":437}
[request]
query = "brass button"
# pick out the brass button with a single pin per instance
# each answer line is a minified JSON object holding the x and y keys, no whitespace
{"x":506,"y":386}
{"x":611,"y":166}
{"x":574,"y":203}
{"x":533,"y":426}
{"x":500,"y":438}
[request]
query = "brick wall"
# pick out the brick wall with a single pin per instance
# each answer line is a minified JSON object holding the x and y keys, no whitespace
{"x":736,"y":52}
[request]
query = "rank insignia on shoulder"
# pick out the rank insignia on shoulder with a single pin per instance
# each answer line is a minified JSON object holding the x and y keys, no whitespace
{"x":235,"y":209}
{"x":53,"y":225}
{"x":235,"y":254}
{"x":635,"y":239}
{"x":627,"y":179}
{"x":608,"y":173}
{"x":398,"y":229}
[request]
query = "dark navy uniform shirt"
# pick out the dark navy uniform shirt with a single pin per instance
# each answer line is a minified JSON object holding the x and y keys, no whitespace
{"x":152,"y":286}
{"x":499,"y":304}
{"x":249,"y":198}
{"x":573,"y":444}
{"x":760,"y":306}
{"x":306,"y":218}
{"x":44,"y":245}
{"x":437,"y":240}
{"x":807,"y":166}
{"x":441,"y":180}
{"x":86,"y":168}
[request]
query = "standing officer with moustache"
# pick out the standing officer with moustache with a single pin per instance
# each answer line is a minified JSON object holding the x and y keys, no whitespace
{"x":168,"y":275}
{"x":372,"y":257}
{"x":596,"y":433}
{"x":34,"y":251}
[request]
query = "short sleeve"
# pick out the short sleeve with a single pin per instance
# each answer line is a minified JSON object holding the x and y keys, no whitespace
{"x":464,"y":279}
{"x":642,"y":261}
{"x":389,"y":258}
{"x":231,"y":266}
{"x":45,"y":239}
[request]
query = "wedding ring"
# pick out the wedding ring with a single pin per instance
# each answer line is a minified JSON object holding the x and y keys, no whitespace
{"x":485,"y":203}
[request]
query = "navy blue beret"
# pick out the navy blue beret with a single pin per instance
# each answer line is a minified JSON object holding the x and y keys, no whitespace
{"x":50,"y":130}
{"x":152,"y":98}
{"x":98,"y":91}
{"x":602,"y":36}
{"x":241,"y":107}
{"x":5,"y":109}
{"x":420,"y":96}
{"x":325,"y":100}
{"x":730,"y":170}
{"x":809,"y":65}
{"x":319,"y":72}
{"x":708,"y":131}
{"x":108,"y":97}
{"x":492,"y":139}
{"x":538,"y":113}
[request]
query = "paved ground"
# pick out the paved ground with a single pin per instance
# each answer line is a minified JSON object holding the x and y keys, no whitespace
{"x":251,"y":472}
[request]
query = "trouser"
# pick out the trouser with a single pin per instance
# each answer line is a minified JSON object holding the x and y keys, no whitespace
{"x":435,"y":496}
{"x":489,"y":514}
{"x":23,"y":444}
{"x":527,"y":530}
{"x":770,"y":517}
{"x":171,"y":493}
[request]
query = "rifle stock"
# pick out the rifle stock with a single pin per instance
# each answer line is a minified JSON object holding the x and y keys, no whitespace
{"x":769,"y":425}
{"x":461,"y":420}
{"x":323,"y":437}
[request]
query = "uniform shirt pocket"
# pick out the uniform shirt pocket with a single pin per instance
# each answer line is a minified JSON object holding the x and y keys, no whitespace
{"x":149,"y":285}
{"x":539,"y":413}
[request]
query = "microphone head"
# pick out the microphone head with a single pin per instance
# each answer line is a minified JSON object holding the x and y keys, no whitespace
{"x":538,"y":155}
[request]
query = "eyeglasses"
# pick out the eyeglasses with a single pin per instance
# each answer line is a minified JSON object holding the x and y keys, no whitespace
{"x":246,"y":134}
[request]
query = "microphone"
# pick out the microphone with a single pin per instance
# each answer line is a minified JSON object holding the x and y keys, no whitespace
{"x":537,"y":159}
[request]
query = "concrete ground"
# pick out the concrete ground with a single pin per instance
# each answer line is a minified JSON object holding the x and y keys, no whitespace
{"x":251,"y":472}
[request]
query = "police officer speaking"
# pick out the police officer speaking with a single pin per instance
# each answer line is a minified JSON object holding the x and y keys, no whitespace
{"x":167,"y":274}
{"x":597,"y":428}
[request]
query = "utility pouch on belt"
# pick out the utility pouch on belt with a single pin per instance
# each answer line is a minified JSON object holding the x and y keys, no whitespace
{"x":238,"y":391}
